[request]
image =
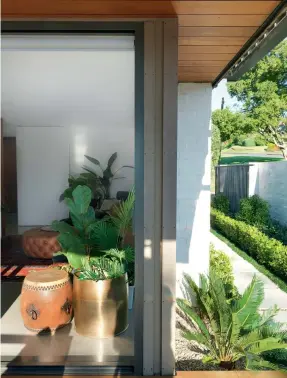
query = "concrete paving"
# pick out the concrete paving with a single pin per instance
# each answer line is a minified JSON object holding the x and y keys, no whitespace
{"x":243,"y":273}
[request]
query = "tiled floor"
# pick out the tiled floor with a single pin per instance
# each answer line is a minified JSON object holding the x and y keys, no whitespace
{"x":21,"y":346}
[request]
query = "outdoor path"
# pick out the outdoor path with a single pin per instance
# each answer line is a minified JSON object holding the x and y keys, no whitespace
{"x":243,"y":273}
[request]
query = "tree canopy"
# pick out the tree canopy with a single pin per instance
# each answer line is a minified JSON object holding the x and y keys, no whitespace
{"x":230,"y":124}
{"x":262,"y":92}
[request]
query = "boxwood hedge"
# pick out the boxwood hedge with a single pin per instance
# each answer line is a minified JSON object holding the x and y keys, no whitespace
{"x":266,"y":251}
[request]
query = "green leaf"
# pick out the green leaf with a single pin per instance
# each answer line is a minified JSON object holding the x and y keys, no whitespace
{"x":63,"y":227}
{"x":112,"y":159}
{"x":250,"y":301}
{"x":71,"y":242}
{"x":270,"y":343}
{"x":123,"y":214}
{"x":196,"y":336}
{"x":91,"y":172}
{"x":82,"y":197}
{"x":93,"y":160}
{"x":104,"y":234}
{"x":188,"y":311}
{"x":261,"y":364}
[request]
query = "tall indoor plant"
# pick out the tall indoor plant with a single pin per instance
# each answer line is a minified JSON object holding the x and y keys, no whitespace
{"x":99,"y":182}
{"x":99,"y":259}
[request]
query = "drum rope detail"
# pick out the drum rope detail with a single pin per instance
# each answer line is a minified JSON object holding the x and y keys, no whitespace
{"x":50,"y":287}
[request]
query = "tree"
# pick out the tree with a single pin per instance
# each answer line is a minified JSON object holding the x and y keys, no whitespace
{"x":230,"y":123}
{"x":262,"y":92}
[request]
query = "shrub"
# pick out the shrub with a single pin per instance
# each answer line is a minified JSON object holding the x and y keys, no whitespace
{"x":254,"y":210}
{"x":277,"y":231}
{"x":215,"y":145}
{"x":271,"y":147}
{"x":220,"y":265}
{"x":266,"y":251}
{"x":259,"y":140}
{"x":239,"y":140}
{"x":249,"y":142}
{"x":227,"y":332}
{"x":221,"y":203}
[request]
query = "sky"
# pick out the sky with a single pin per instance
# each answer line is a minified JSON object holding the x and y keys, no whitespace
{"x":219,"y":92}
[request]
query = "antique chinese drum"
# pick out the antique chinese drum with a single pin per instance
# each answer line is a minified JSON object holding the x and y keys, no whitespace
{"x":46,"y":300}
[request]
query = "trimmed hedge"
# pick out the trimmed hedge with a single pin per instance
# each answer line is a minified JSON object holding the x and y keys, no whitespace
{"x":269,"y":252}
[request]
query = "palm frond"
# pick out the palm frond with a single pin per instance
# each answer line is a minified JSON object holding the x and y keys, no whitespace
{"x":221,"y":308}
{"x":123,"y":213}
{"x":261,"y":364}
{"x":196,"y":336}
{"x":270,"y":343}
{"x":197,"y":321}
{"x":250,"y":301}
{"x":265,"y":318}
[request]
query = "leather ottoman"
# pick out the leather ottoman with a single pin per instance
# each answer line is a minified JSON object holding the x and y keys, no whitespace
{"x":40,"y":244}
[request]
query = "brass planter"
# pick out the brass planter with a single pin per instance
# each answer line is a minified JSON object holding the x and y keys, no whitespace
{"x":100,"y":308}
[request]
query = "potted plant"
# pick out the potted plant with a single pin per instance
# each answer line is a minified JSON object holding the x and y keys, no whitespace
{"x":99,"y":183}
{"x":96,"y":252}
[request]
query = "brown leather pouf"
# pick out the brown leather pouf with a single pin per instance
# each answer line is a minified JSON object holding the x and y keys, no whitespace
{"x":46,"y":300}
{"x":41,"y":244}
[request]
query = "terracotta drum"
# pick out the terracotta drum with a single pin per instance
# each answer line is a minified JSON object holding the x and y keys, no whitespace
{"x":46,"y":300}
{"x":40,"y":244}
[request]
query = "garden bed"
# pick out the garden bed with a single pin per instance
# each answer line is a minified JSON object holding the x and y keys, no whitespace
{"x":266,"y":251}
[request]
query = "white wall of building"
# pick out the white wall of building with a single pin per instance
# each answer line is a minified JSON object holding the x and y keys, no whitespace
{"x":82,"y":84}
{"x":269,"y":181}
{"x":193,"y":179}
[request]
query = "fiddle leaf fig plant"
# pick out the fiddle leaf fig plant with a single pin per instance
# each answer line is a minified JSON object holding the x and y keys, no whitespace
{"x":94,"y":248}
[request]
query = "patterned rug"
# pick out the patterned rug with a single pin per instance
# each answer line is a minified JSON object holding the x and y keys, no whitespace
{"x":15,"y":265}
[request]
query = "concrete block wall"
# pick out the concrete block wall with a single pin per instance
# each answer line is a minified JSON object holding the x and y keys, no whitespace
{"x":193,"y":180}
{"x":269,"y":181}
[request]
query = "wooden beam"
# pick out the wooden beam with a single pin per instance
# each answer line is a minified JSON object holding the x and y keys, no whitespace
{"x":212,"y":41}
{"x":203,"y":69}
{"x":217,"y":31}
{"x":157,"y":8}
{"x":196,"y":78}
{"x":221,"y":20}
{"x":200,"y":63}
{"x":203,"y":56}
{"x":208,"y":49}
{"x":223,"y":7}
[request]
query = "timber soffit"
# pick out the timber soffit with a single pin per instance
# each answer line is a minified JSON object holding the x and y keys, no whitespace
{"x":212,"y":34}
{"x":271,"y":32}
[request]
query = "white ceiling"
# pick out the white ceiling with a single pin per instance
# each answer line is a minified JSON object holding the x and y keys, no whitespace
{"x":89,"y":83}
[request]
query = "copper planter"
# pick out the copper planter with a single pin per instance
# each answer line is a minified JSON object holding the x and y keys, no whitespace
{"x":100,"y":307}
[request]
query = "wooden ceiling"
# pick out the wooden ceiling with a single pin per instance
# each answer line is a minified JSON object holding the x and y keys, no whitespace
{"x":210,"y":32}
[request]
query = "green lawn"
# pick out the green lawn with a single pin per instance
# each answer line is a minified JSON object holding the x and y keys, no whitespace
{"x":246,"y":159}
{"x":244,"y":150}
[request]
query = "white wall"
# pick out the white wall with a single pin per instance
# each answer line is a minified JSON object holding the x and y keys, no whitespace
{"x":193,"y":179}
{"x":83,"y":84}
{"x":41,"y":174}
{"x":269,"y":181}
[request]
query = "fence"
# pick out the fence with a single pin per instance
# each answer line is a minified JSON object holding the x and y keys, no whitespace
{"x":233,"y":182}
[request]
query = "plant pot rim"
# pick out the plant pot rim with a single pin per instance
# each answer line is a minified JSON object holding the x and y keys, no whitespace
{"x":75,"y":274}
